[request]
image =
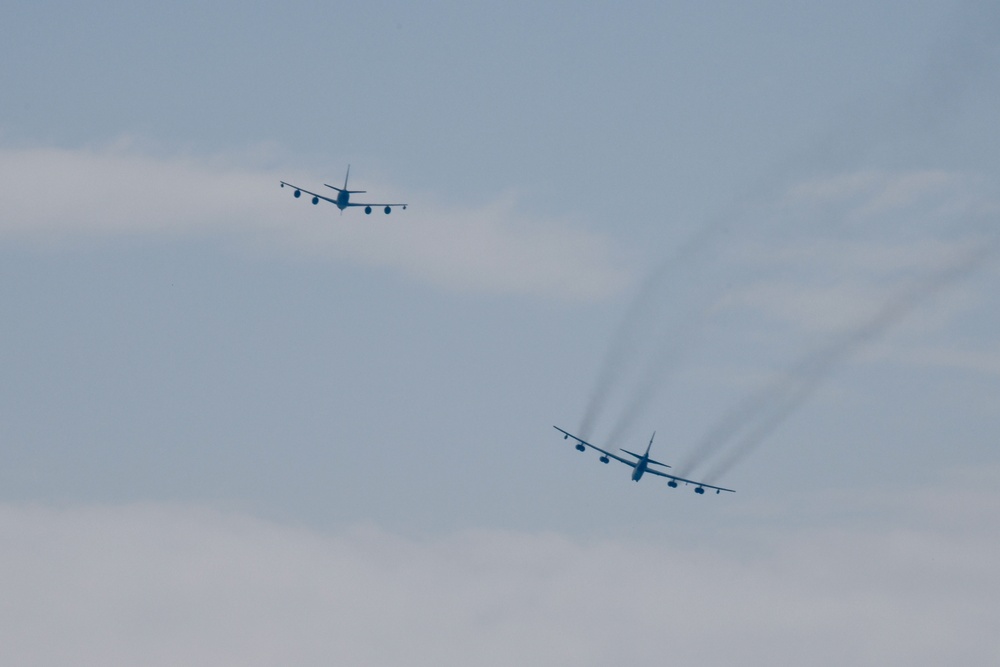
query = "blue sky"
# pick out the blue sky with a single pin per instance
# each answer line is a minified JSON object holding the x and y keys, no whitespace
{"x":222,"y":402}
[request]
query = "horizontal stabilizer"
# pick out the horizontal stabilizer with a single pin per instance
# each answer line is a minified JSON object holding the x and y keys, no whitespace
{"x":353,"y":192}
{"x":638,"y":456}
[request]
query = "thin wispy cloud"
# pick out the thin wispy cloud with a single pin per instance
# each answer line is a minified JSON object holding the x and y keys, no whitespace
{"x":851,"y":239}
{"x":983,"y":360}
{"x":54,"y":195}
{"x":879,"y":190}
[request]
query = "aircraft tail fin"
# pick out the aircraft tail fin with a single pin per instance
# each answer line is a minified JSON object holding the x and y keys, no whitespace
{"x":344,"y":189}
{"x":648,"y":447}
{"x":646,"y":455}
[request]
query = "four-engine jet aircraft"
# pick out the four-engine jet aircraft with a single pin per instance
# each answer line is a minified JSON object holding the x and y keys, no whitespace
{"x":343,"y":199}
{"x":641,"y":465}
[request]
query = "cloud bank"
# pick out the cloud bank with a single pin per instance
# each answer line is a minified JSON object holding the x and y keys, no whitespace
{"x":58,"y":195}
{"x":167,"y":585}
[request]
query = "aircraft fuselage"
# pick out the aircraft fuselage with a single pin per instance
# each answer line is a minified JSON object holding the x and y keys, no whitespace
{"x":640,"y":468}
{"x":342,"y":198}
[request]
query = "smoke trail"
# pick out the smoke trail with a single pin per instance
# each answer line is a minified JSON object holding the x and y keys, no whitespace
{"x":762,"y":413}
{"x":624,"y":350}
{"x":965,"y":55}
{"x":655,"y":373}
{"x":644,"y":393}
{"x":616,"y":357}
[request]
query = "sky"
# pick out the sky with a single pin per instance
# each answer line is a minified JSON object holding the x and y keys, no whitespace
{"x":238,"y":429}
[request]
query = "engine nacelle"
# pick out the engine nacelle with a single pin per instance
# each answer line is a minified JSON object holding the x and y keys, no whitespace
{"x":672,"y":484}
{"x":388,"y":210}
{"x":315,"y":200}
{"x":298,"y":193}
{"x":605,"y":459}
{"x":580,"y":448}
{"x":368,"y":210}
{"x":699,"y":490}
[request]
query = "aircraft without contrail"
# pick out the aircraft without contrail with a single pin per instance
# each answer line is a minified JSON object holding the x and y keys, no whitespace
{"x":641,"y":464}
{"x":343,"y":198}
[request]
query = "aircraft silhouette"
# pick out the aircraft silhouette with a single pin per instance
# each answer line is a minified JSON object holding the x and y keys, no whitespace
{"x":343,"y":199}
{"x":641,"y":465}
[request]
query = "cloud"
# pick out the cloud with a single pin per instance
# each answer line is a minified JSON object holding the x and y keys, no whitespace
{"x":830,"y":286}
{"x":981,"y":361}
{"x":811,"y":307}
{"x":871,"y":193}
{"x":58,"y":195}
{"x":845,"y":242}
{"x":158,"y":585}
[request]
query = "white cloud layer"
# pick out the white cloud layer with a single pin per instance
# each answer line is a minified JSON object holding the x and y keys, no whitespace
{"x":62,"y":195}
{"x":165,"y":585}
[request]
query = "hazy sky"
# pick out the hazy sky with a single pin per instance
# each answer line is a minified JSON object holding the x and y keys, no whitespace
{"x":237,"y":429}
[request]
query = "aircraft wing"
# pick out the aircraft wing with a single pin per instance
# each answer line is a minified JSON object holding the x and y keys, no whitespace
{"x":403,"y":206}
{"x":653,"y":471}
{"x":567,"y":434}
{"x":298,"y":189}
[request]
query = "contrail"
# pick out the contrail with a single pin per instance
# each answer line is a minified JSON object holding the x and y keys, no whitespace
{"x":624,"y":350}
{"x":616,"y":357}
{"x":672,"y":343}
{"x":759,"y":415}
{"x":964,"y":55}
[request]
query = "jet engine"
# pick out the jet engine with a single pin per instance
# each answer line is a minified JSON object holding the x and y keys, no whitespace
{"x":315,"y":200}
{"x":605,"y":459}
{"x":699,"y":490}
{"x":298,"y":193}
{"x":672,"y":484}
{"x":368,"y":210}
{"x":580,"y":448}
{"x":388,"y":210}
